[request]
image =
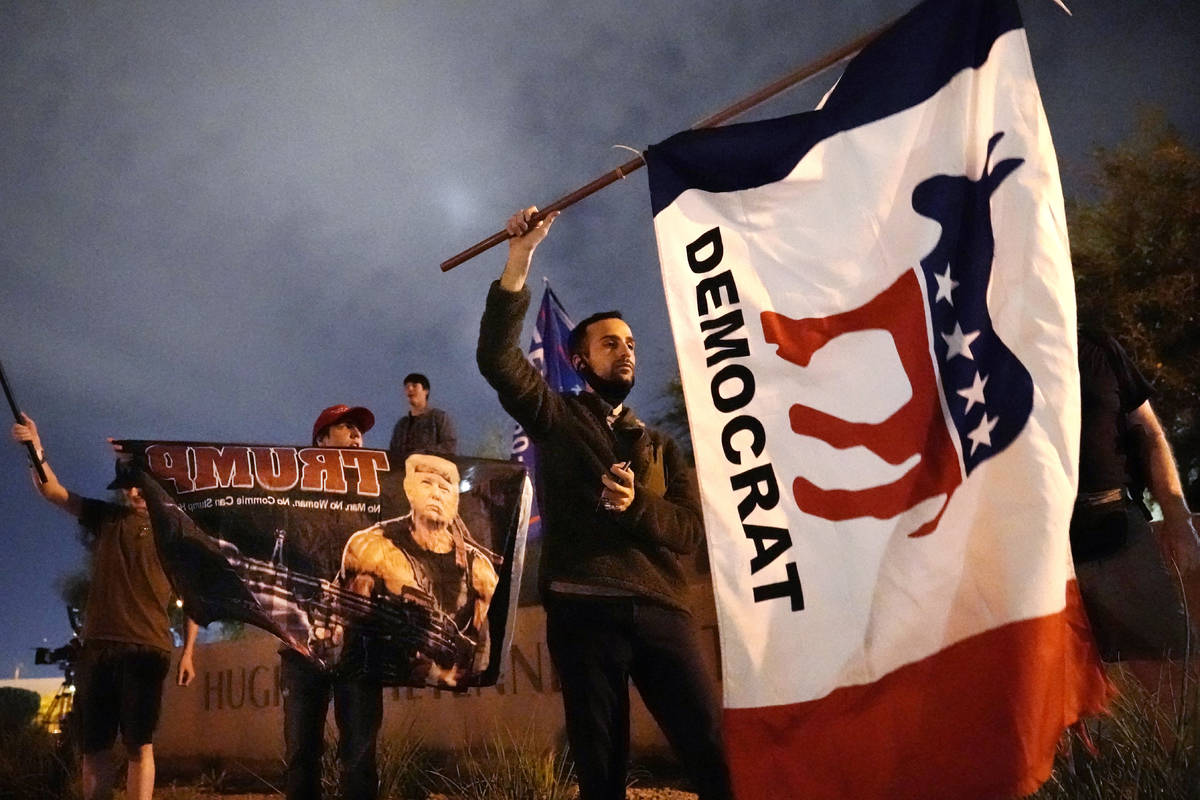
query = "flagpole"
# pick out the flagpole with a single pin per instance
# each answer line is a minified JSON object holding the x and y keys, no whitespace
{"x":19,"y":417}
{"x":713,"y":120}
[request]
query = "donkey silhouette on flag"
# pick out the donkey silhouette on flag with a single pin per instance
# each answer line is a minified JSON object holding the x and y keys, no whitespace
{"x":987,"y":393}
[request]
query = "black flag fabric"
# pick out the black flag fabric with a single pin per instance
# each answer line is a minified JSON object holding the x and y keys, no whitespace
{"x":407,"y":572}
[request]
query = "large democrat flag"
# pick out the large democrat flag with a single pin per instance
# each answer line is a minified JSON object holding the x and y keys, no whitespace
{"x":874,"y":318}
{"x":548,"y":353}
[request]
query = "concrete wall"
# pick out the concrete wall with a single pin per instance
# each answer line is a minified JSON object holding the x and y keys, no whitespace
{"x":232,"y":712}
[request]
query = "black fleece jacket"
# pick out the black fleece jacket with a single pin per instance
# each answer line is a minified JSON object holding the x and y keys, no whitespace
{"x":637,"y":550}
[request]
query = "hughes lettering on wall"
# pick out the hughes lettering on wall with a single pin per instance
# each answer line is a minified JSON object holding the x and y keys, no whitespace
{"x":234,"y":710}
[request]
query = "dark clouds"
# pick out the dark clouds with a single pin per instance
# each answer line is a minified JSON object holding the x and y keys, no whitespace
{"x":219,"y":218}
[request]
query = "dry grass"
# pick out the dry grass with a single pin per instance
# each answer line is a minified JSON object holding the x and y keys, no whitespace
{"x":1147,"y":747}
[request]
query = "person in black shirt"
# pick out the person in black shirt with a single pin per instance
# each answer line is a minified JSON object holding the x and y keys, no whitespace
{"x":1130,"y":594}
{"x":428,"y":553}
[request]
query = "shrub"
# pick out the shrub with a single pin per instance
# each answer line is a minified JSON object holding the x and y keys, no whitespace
{"x":508,"y":768}
{"x":32,"y":766}
{"x":18,"y":707}
{"x":404,"y":767}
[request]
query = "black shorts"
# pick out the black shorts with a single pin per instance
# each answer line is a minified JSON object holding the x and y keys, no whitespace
{"x":119,"y":686}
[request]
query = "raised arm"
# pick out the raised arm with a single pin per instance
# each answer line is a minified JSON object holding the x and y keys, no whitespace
{"x":521,"y":389}
{"x":26,"y":431}
{"x":525,"y":239}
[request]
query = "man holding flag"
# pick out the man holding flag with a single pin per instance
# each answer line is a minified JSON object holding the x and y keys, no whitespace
{"x":620,"y":511}
{"x":127,"y":639}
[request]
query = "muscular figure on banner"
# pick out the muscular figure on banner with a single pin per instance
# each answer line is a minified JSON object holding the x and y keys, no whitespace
{"x":428,"y":556}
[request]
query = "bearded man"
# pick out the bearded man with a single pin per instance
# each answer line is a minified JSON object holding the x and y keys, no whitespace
{"x":620,"y":512}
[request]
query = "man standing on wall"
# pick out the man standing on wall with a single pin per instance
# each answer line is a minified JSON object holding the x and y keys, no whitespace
{"x":621,"y":511}
{"x":127,"y":638}
{"x":357,"y":700}
{"x":424,"y":429}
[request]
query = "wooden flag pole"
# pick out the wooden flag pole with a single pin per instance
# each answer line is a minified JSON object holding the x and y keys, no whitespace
{"x":17,"y":416}
{"x":711,"y":121}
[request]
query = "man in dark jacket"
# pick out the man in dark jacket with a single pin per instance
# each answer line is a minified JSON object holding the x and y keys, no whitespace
{"x":620,"y":509}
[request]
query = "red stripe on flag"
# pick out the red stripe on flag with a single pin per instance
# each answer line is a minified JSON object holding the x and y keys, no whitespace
{"x":979,"y":719}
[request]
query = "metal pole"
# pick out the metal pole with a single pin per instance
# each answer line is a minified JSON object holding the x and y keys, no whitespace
{"x":19,"y":417}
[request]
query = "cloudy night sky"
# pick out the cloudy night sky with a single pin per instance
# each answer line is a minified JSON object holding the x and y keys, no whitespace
{"x":219,"y":218}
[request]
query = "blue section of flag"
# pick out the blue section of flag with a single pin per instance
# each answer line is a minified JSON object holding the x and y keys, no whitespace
{"x":548,"y":353}
{"x":889,"y":75}
{"x":988,"y":391}
{"x":554,"y":328}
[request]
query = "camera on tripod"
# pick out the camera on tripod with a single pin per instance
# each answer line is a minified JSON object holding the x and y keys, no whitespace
{"x":63,"y":656}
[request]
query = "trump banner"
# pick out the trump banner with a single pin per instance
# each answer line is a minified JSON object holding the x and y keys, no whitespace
{"x":407,"y":573}
{"x":874,"y":318}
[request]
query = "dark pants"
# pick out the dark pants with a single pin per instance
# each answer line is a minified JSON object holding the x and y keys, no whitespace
{"x":358,"y":711}
{"x":119,"y":686}
{"x":598,"y":645}
{"x":1132,"y":596}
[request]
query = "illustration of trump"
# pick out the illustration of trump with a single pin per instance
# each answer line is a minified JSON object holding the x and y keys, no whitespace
{"x":427,"y":557}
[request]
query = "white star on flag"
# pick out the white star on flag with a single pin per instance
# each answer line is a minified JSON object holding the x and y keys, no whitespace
{"x":959,"y":343}
{"x":974,"y":393}
{"x":982,"y":433}
{"x":945,"y":286}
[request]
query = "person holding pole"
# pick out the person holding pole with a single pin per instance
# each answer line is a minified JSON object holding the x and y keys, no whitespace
{"x":126,"y":636}
{"x":621,"y":510}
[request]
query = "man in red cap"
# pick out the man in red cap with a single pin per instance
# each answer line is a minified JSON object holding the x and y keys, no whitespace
{"x":342,"y":426}
{"x":306,"y":689}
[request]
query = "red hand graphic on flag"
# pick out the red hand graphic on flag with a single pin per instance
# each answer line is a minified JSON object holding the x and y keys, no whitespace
{"x":917,"y":428}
